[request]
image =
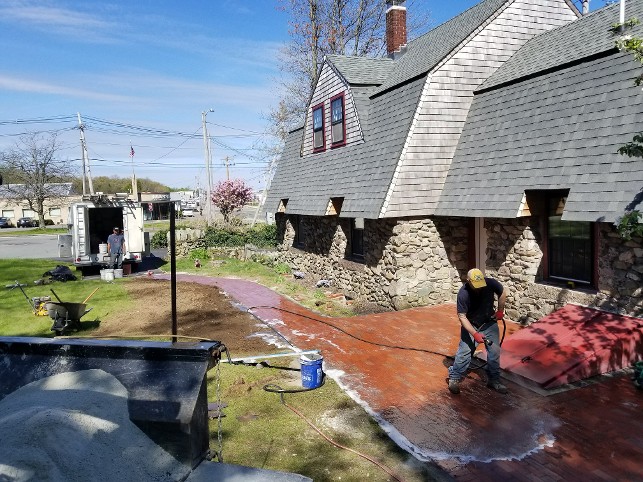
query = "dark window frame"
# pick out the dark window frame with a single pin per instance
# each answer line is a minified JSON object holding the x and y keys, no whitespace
{"x":342,"y":141}
{"x":315,"y":108}
{"x":297,"y":224}
{"x":356,"y":243}
{"x":556,"y":250}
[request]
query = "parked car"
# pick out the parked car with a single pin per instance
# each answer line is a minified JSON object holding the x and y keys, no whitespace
{"x":27,"y":223}
{"x":5,"y":223}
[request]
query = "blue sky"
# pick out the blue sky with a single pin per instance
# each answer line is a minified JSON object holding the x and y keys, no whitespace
{"x":155,"y":65}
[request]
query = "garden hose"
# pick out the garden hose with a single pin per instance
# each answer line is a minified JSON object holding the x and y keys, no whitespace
{"x":277,"y":389}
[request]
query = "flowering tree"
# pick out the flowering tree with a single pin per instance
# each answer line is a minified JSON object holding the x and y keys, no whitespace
{"x":231,"y":195}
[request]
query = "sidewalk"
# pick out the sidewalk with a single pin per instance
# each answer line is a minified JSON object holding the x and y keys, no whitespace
{"x":589,"y":433}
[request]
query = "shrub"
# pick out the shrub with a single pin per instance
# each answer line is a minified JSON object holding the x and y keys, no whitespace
{"x":159,"y":239}
{"x":262,"y":236}
{"x":49,"y":222}
{"x":200,"y":254}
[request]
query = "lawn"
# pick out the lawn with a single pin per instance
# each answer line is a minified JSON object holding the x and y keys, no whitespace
{"x":258,"y":430}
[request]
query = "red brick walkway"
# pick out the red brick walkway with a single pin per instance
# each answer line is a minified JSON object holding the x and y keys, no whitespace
{"x":585,"y":434}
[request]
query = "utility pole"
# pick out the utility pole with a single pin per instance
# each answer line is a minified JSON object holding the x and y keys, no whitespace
{"x":87,"y":173}
{"x":226,"y":159}
{"x":206,"y":147}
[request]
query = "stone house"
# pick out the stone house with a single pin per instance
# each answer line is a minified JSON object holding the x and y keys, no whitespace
{"x":490,"y":141}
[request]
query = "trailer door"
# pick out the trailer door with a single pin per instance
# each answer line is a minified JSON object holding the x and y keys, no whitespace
{"x":81,"y":228}
{"x":133,"y":229}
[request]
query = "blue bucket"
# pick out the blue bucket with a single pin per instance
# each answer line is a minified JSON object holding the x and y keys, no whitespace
{"x":311,"y":371}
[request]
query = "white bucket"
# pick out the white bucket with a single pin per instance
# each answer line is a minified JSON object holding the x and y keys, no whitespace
{"x":108,"y":274}
{"x":118,"y":273}
{"x":102,"y":248}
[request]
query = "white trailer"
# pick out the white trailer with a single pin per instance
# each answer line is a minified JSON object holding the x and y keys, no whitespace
{"x":92,"y":221}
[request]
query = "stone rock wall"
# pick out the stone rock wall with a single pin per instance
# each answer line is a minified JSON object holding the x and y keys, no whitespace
{"x":416,"y":262}
{"x":514,"y":257}
{"x":410,"y":262}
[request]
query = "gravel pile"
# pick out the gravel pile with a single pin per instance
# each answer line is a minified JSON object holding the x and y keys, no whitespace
{"x":75,"y":427}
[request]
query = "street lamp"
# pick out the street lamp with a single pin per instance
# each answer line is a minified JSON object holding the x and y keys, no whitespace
{"x":208,"y":157}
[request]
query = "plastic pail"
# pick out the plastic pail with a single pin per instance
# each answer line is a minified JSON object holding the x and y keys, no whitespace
{"x":102,"y":275}
{"x":118,"y":273}
{"x":109,"y":274}
{"x":311,"y":371}
{"x":102,"y":248}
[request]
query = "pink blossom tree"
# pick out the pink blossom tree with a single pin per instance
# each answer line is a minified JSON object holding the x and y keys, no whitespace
{"x":230,"y":195}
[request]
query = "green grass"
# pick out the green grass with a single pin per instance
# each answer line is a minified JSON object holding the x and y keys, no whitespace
{"x":18,"y":318}
{"x":258,"y":430}
{"x":313,"y":299}
{"x":33,"y":231}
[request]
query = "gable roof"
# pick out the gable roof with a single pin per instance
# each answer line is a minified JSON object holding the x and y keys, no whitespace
{"x":386,"y":93}
{"x":362,"y":70}
{"x":428,"y":50}
{"x":556,"y":129}
{"x":571,"y":43}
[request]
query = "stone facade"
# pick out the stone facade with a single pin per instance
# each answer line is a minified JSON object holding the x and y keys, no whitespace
{"x":415,"y":262}
{"x":411,"y":262}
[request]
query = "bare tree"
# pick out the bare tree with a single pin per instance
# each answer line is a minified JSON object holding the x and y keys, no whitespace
{"x":322,"y":27}
{"x":35,"y":172}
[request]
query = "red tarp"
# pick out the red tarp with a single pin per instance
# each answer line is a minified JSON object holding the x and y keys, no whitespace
{"x":572,"y":344}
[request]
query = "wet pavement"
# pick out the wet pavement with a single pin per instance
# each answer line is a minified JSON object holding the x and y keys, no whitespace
{"x":395,"y":365}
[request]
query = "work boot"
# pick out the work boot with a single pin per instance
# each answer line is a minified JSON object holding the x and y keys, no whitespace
{"x":454,"y":385}
{"x":497,"y":386}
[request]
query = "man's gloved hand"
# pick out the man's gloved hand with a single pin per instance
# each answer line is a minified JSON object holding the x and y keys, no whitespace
{"x":500,"y":315}
{"x":478,"y":337}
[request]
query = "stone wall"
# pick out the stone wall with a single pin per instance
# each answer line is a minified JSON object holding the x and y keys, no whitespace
{"x":415,"y":262}
{"x":410,"y":262}
{"x":514,"y":256}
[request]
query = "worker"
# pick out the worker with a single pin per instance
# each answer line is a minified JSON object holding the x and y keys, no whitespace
{"x":479,"y":324}
{"x":116,"y":248}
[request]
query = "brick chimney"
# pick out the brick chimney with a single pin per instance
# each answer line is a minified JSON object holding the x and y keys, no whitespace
{"x":395,"y":26}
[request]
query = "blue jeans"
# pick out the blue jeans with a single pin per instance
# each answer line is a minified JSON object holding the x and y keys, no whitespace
{"x":467,"y":347}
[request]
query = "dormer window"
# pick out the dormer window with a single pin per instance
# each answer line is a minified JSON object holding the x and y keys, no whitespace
{"x":319,"y":141}
{"x":338,"y":123}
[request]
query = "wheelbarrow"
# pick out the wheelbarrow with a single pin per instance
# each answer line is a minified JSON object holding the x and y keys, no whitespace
{"x":66,"y":315}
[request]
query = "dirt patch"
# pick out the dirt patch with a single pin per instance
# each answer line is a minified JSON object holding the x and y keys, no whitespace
{"x":202,"y":311}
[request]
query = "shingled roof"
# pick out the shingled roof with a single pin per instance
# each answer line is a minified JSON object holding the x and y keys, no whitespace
{"x":387,"y":93}
{"x":553,"y":117}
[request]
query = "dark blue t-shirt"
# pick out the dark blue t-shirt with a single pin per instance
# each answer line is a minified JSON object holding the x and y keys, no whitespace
{"x":116,"y":243}
{"x":478,"y":305}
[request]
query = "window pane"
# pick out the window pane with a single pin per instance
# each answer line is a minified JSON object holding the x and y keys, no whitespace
{"x":318,"y":139}
{"x":317,"y":119}
{"x":337,"y":133}
{"x":337,"y":110}
{"x":570,"y":249}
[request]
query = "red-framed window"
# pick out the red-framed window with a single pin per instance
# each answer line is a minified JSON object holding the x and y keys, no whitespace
{"x":319,"y":139}
{"x":338,"y":120}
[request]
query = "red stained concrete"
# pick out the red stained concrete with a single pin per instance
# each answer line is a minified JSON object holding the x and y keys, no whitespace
{"x":589,"y":433}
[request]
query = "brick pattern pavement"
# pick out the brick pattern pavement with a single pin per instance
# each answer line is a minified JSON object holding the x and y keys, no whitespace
{"x":589,"y":433}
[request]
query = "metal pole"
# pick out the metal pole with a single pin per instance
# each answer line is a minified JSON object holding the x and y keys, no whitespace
{"x":173,"y":270}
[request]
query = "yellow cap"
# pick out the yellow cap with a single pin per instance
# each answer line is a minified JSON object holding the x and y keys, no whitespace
{"x":476,"y":278}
